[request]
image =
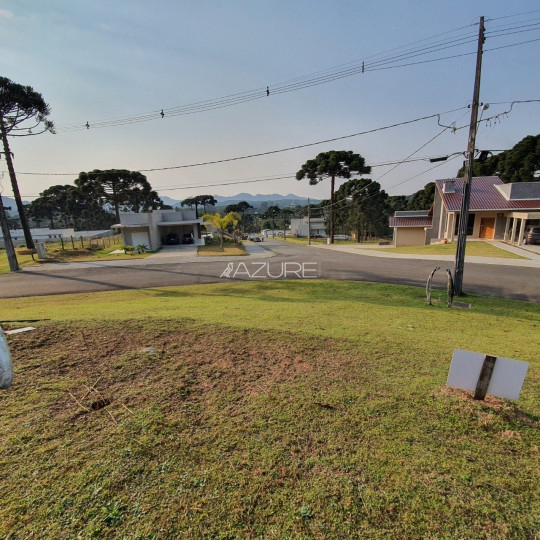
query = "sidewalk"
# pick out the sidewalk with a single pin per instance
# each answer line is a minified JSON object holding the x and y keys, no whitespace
{"x":532,"y":261}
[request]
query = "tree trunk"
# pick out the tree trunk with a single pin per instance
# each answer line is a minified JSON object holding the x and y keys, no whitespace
{"x":8,"y":243}
{"x":221,"y":240}
{"x":16,"y":194}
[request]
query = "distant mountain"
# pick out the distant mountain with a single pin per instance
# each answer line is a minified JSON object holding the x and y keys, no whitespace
{"x":10,"y":203}
{"x":255,"y":200}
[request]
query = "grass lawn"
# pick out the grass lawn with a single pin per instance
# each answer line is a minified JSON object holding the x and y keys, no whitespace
{"x":322,"y":241}
{"x":477,"y":248}
{"x":213,"y":250}
{"x":301,"y":409}
{"x":72,"y":253}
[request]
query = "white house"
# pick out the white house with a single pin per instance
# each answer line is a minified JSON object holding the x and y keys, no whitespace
{"x":316,"y":226}
{"x":152,"y":228}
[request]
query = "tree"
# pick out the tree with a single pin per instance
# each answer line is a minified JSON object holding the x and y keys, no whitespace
{"x":120,"y":188}
{"x":363,"y":207}
{"x":221,"y":223}
{"x":22,"y":111}
{"x":272,"y":213}
{"x":332,"y":164}
{"x":199,"y":200}
{"x":423,"y":198}
{"x":51,"y":204}
{"x":521,"y":164}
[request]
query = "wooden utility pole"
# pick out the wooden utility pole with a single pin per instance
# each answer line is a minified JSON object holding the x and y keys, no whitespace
{"x":467,"y":179}
{"x":308,"y":223}
{"x":8,"y":243}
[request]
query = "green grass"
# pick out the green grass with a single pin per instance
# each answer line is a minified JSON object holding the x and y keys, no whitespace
{"x":73,"y":253}
{"x":322,"y":241}
{"x":213,"y":249}
{"x":23,"y":260}
{"x":477,"y":248}
{"x":303,"y":409}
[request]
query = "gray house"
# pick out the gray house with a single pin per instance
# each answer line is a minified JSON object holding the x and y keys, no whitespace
{"x":152,"y":228}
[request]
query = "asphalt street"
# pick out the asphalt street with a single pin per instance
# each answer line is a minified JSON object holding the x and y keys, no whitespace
{"x":276,"y":261}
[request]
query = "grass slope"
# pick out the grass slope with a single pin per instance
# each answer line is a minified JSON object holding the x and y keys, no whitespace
{"x":476,"y":248}
{"x":295,"y":409}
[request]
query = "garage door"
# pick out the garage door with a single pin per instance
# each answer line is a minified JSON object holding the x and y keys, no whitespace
{"x":140,"y":238}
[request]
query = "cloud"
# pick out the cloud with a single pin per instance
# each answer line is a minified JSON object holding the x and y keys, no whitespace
{"x":5,"y":14}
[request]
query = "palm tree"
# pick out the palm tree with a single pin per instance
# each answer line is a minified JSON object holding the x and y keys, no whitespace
{"x":221,"y":223}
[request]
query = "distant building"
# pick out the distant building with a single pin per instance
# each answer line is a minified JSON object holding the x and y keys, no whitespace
{"x":316,"y":227}
{"x":410,"y":227}
{"x":152,"y":228}
{"x":43,"y":234}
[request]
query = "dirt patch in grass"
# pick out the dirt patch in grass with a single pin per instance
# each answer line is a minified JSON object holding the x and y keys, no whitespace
{"x":205,"y":431}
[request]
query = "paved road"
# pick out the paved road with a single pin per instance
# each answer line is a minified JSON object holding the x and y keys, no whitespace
{"x":521,"y":283}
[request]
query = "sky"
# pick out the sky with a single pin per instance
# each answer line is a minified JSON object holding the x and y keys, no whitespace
{"x":103,"y":60}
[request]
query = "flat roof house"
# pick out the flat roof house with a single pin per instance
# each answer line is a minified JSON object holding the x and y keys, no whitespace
{"x":152,"y":228}
{"x":317,"y":227}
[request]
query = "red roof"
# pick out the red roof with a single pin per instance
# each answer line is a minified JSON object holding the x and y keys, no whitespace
{"x":411,"y":221}
{"x":484,"y":196}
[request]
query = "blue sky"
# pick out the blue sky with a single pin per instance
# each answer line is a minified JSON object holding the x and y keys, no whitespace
{"x":100,"y":60}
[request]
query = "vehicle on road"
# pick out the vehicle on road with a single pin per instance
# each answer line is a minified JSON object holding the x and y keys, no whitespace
{"x":172,"y":239}
{"x":533,"y":235}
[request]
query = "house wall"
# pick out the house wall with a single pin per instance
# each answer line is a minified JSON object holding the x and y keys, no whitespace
{"x":129,"y":236}
{"x":433,"y":233}
{"x":410,"y":236}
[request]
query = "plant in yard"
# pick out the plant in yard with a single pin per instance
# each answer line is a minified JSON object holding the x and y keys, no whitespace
{"x":127,"y":248}
{"x":221,"y":223}
{"x":141,"y":248}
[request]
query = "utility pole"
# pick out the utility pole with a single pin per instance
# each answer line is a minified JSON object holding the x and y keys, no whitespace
{"x":308,"y":223}
{"x":8,"y":243}
{"x":467,"y":179}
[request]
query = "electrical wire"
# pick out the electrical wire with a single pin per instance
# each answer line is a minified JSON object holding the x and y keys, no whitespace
{"x":320,"y":77}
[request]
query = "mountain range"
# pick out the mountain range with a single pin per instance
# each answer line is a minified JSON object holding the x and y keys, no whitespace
{"x":273,"y":199}
{"x":257,"y":201}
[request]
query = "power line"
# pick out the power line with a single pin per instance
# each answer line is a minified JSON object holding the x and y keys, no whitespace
{"x":312,"y":79}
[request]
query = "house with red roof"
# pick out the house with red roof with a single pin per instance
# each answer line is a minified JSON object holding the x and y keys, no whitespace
{"x":497,"y":211}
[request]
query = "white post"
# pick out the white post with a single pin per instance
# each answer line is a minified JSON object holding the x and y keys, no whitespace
{"x":6,"y":368}
{"x":506,"y":229}
{"x":514,"y":228}
{"x":521,"y":231}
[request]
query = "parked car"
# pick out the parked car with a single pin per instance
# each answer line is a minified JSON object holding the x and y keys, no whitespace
{"x":257,"y":239}
{"x":187,"y":238}
{"x":172,"y":239}
{"x":208,"y":236}
{"x":533,"y":235}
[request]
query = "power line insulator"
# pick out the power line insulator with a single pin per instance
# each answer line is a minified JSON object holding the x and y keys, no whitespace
{"x":162,"y":113}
